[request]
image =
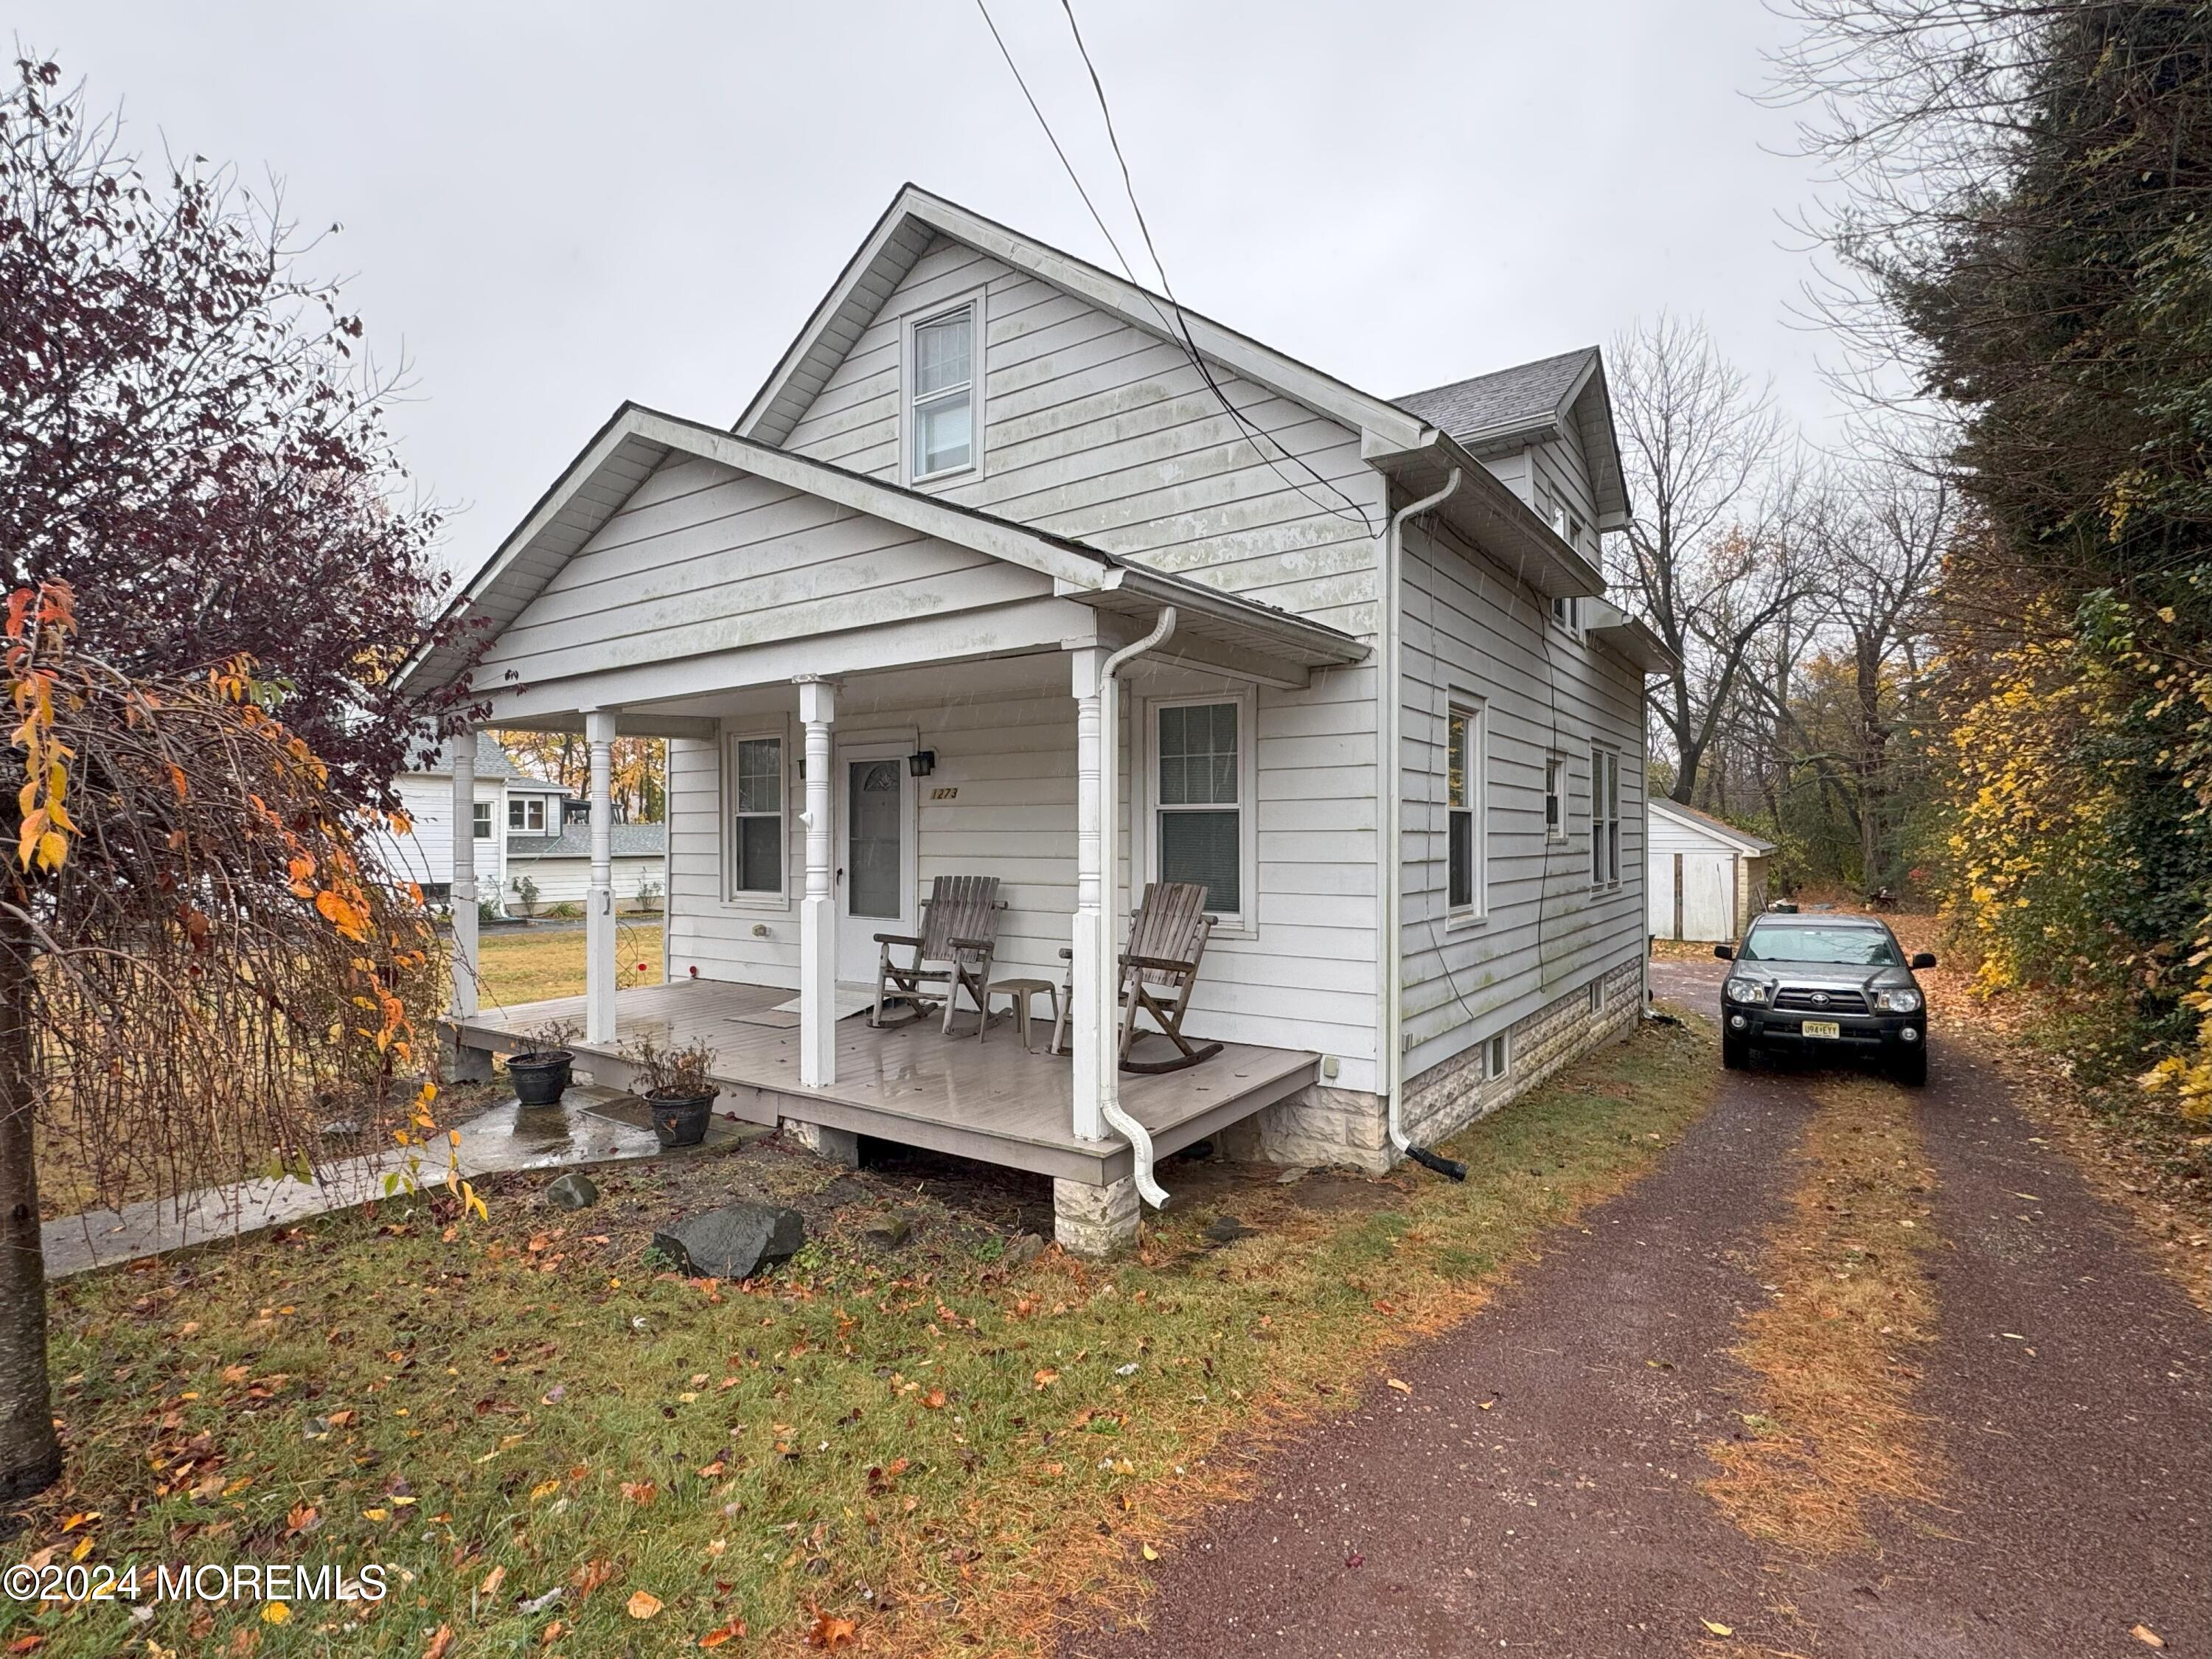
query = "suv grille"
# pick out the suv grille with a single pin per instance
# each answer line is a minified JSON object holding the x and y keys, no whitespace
{"x":1820,"y":1002}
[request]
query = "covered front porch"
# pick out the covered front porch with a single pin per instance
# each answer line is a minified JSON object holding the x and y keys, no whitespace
{"x":864,"y":690}
{"x":992,"y":1100}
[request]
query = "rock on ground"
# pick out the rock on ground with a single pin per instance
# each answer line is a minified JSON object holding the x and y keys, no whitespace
{"x":734,"y":1242}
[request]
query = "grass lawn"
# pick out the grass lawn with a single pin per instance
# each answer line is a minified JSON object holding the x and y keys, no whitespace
{"x":554,"y":1447}
{"x":530,"y":965}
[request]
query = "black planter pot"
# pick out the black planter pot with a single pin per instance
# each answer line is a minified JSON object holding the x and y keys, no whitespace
{"x":539,"y":1079}
{"x":681,"y":1120}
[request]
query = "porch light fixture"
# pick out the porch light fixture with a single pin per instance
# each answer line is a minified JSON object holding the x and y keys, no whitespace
{"x":921,"y":762}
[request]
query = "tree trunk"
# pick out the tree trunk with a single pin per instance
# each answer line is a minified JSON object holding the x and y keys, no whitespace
{"x":30,"y":1455}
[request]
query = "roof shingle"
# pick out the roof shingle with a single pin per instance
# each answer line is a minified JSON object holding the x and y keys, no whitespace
{"x":1505,"y":401}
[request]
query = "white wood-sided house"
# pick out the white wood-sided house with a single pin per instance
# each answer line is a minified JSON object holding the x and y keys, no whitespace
{"x":987,"y":581}
{"x":506,"y":805}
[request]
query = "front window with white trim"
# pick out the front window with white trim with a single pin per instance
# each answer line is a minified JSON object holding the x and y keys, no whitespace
{"x":756,"y":823}
{"x":526,"y":813}
{"x":1198,"y":800}
{"x":1605,"y":818}
{"x":943,"y":382}
{"x":1466,"y":810}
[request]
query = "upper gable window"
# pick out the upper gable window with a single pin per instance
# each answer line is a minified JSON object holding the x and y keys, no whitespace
{"x":941,"y":386}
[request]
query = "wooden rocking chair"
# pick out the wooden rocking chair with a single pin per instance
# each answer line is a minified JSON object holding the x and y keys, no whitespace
{"x":1167,"y":941}
{"x":959,"y":936}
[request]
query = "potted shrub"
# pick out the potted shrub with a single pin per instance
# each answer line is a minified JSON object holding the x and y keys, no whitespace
{"x":677,"y":1091}
{"x":540,"y":1073}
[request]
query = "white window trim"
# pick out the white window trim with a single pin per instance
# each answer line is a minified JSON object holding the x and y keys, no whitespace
{"x":524,"y":803}
{"x":1145,"y":851}
{"x":1570,"y":624}
{"x":1475,"y":913}
{"x":732,"y":735}
{"x":1600,"y":755}
{"x":490,"y":809}
{"x":1497,"y":1043}
{"x":973,"y":302}
{"x":1555,"y":788}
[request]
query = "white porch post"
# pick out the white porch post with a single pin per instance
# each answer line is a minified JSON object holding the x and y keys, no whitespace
{"x":464,"y":889}
{"x":1097,"y":1076}
{"x":599,"y":902}
{"x":817,"y":910}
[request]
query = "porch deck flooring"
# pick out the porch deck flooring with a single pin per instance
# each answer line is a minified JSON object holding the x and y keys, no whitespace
{"x":992,"y":1100}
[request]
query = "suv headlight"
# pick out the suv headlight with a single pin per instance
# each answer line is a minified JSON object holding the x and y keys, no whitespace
{"x":1898,"y":1002}
{"x":1745,"y":990}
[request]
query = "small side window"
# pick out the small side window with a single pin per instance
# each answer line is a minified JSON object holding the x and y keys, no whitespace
{"x":1496,"y":1057}
{"x":1465,"y":808}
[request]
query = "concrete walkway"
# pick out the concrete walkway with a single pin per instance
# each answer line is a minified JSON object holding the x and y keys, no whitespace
{"x":589,"y":1127}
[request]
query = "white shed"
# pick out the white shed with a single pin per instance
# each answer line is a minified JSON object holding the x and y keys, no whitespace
{"x":1707,"y":879}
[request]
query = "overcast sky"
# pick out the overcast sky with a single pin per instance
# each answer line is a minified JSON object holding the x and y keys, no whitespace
{"x":548,"y":208}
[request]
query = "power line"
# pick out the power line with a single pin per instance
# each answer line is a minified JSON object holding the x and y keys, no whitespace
{"x":1179,"y":330}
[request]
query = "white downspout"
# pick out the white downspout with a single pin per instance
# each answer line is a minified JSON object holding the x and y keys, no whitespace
{"x":1108,"y":982}
{"x":1389,"y":699}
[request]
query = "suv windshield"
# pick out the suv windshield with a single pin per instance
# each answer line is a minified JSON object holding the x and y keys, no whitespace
{"x":1850,"y":947}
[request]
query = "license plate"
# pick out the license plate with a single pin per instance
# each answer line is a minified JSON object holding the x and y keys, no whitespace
{"x":1823,"y":1028}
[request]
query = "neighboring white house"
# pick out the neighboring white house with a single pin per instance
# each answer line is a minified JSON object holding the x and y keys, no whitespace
{"x":1708,"y":879}
{"x":510,"y":806}
{"x":988,"y":552}
{"x":557,"y":869}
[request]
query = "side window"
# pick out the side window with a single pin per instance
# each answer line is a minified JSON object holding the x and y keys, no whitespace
{"x":1466,"y":810}
{"x":526,"y":813}
{"x":1605,"y":818}
{"x":756,"y":827}
{"x":481,"y":821}
{"x":1198,"y":812}
{"x":941,"y":382}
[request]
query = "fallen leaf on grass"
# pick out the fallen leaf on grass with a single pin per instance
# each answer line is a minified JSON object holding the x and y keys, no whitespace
{"x":492,"y":1581}
{"x":2148,"y":1637}
{"x":935,"y":1400}
{"x":275,"y":1613}
{"x":721,"y":1634}
{"x":642,"y":1604}
{"x":1046,"y":1378}
{"x":1717,"y":1629}
{"x":1402,"y":1388}
{"x":440,"y":1642}
{"x":300,"y":1519}
{"x":830,"y":1631}
{"x":543,"y":1489}
{"x":1151,"y":1554}
{"x":640,"y":1492}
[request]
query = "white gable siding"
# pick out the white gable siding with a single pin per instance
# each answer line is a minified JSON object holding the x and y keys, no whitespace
{"x":703,"y":558}
{"x":425,"y":854}
{"x":1470,"y":629}
{"x":1102,"y":431}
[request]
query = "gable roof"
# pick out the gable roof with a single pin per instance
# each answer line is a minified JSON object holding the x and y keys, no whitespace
{"x":1509,"y":400}
{"x":636,"y":441}
{"x":916,"y":218}
{"x":1690,"y":817}
{"x":1531,"y":403}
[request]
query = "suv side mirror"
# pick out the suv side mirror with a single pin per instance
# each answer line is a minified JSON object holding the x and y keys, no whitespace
{"x":1725,"y":952}
{"x":1924,"y":959}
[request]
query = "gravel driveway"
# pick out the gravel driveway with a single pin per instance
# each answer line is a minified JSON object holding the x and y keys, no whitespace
{"x":1537,"y":1490}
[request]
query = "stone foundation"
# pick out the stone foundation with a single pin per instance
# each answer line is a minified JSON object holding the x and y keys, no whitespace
{"x":1451,"y":1095}
{"x":838,"y":1145}
{"x":1094,"y":1221}
{"x":1325,"y":1126}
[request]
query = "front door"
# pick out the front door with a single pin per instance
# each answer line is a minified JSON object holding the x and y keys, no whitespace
{"x":874,"y":854}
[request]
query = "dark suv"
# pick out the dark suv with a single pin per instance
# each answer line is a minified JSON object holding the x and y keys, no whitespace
{"x":1817,"y":982}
